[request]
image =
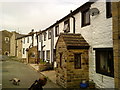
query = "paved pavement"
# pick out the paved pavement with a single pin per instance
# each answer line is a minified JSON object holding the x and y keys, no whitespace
{"x":24,"y":72}
{"x":50,"y":74}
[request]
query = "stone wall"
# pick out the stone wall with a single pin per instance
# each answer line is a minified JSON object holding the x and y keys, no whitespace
{"x":99,"y":35}
{"x":6,"y":44}
{"x":13,"y":44}
{"x":19,"y":48}
{"x":61,"y":74}
{"x":75,"y":76}
{"x":116,"y":42}
{"x":67,"y":75}
{"x":32,"y":55}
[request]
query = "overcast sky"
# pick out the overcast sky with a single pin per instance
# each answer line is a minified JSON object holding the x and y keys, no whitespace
{"x":34,"y":14}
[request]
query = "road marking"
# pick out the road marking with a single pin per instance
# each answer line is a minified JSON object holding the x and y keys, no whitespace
{"x":0,"y":84}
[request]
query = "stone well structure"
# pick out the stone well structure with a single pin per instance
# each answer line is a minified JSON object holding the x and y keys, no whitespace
{"x":72,"y":60}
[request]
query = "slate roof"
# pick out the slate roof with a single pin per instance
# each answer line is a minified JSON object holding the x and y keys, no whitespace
{"x":74,"y":40}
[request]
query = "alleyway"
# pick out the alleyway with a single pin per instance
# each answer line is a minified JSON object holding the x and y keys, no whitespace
{"x":25,"y":73}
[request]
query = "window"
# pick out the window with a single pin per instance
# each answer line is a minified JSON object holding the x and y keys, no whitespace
{"x":43,"y":56}
{"x":60,"y":59}
{"x":85,"y":18}
{"x":108,"y":9}
{"x":40,"y":38}
{"x":27,"y":39}
{"x":40,"y":54}
{"x":104,"y":62}
{"x":49,"y":34}
{"x":6,"y":39}
{"x":23,"y":50}
{"x":32,"y":39}
{"x":77,"y":60}
{"x":54,"y":54}
{"x":44,"y":36}
{"x":48,"y":55}
{"x":66,"y":26}
{"x":32,"y":54}
{"x":24,"y":40}
{"x":57,"y":31}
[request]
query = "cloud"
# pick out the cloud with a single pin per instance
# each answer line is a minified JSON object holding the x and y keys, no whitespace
{"x":37,"y":15}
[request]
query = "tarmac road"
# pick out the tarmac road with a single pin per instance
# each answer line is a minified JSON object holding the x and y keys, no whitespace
{"x":27,"y":75}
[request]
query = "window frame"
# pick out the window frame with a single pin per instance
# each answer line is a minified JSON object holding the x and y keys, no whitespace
{"x":49,"y":34}
{"x":23,"y":51}
{"x":43,"y":55}
{"x":76,"y":62}
{"x":48,"y":59}
{"x":44,"y":34}
{"x":7,"y":39}
{"x":108,"y":9}
{"x":27,"y":39}
{"x":40,"y":38}
{"x":32,"y":55}
{"x":24,"y":40}
{"x":83,"y":15}
{"x":56,"y":30}
{"x":66,"y":22}
{"x":110,"y":63}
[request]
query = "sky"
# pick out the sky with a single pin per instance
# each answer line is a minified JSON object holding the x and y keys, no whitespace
{"x":24,"y":15}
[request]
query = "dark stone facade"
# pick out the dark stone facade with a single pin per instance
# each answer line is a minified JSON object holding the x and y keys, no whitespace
{"x":32,"y":55}
{"x":6,"y":35}
{"x":66,"y":74}
{"x":116,"y":41}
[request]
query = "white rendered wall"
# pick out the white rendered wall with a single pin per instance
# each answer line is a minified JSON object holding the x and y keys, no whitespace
{"x":26,"y":45}
{"x":61,"y":28}
{"x":99,"y":35}
{"x":35,"y":40}
{"x":47,"y":44}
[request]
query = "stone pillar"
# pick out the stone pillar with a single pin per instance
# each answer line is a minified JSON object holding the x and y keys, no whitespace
{"x":116,"y":42}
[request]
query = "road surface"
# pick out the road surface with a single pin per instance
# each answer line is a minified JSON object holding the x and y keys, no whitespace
{"x":27,"y":75}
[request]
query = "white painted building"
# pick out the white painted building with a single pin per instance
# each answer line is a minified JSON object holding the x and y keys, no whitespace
{"x":50,"y":36}
{"x":96,"y":30}
{"x":101,"y":45}
{"x":27,"y":42}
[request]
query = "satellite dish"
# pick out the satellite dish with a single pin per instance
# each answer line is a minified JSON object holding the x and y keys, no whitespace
{"x":94,"y":11}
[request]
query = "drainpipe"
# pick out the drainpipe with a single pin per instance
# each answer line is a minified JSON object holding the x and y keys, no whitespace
{"x":16,"y":47}
{"x":32,"y":37}
{"x":37,"y":48}
{"x":52,"y":46}
{"x":41,"y":53}
{"x":73,"y":21}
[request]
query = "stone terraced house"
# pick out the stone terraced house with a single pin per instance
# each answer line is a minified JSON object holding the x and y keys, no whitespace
{"x":27,"y":47}
{"x":8,"y":42}
{"x":5,"y":42}
{"x":13,"y":43}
